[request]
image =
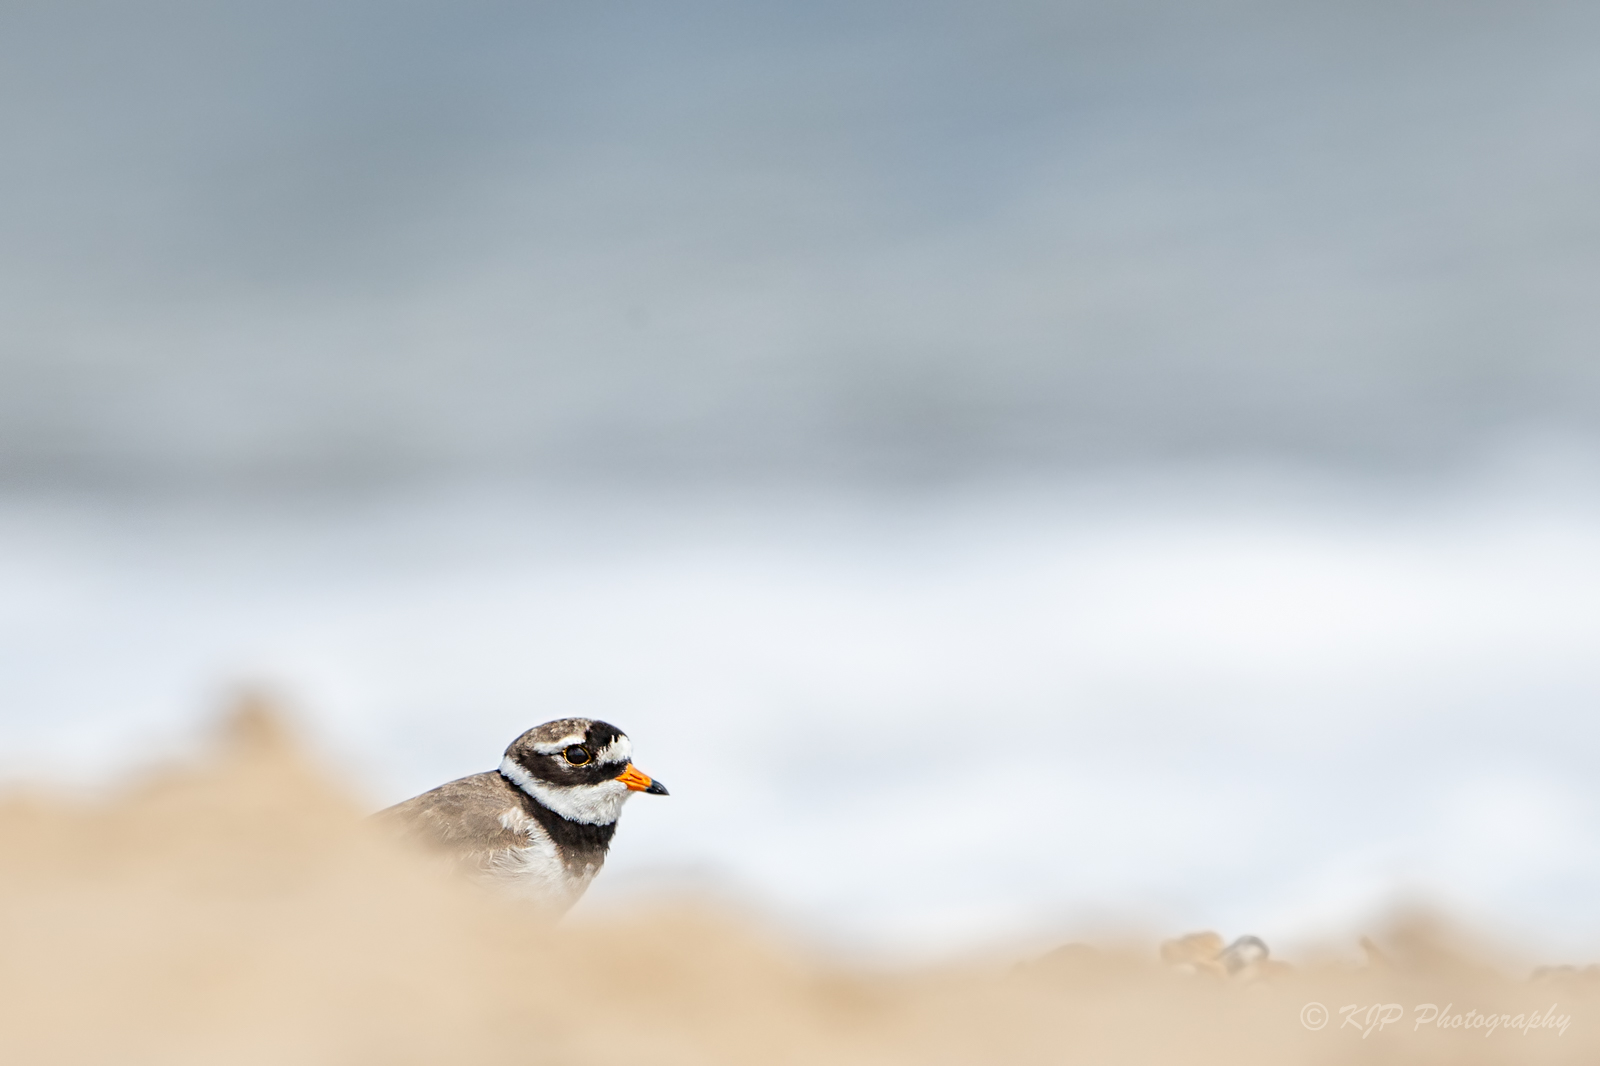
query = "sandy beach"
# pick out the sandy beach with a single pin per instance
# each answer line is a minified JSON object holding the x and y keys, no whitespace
{"x":241,"y":910}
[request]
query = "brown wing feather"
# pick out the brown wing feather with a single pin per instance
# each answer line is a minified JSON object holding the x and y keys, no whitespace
{"x":462,"y":818}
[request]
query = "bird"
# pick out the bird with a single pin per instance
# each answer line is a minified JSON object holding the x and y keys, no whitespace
{"x":540,"y":825}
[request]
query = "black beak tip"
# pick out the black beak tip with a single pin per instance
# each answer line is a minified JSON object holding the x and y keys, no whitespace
{"x":657,"y":789}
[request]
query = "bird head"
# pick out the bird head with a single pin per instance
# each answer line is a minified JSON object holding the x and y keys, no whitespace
{"x":580,"y":768}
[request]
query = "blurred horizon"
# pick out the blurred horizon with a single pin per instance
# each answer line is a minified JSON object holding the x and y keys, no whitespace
{"x":280,"y":245}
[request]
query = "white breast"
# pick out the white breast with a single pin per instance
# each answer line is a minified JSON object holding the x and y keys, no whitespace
{"x":536,"y":871}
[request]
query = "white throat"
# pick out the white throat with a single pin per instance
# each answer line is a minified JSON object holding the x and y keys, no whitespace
{"x":598,"y":804}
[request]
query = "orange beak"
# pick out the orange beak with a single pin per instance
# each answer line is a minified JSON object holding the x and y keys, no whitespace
{"x":639,"y":781}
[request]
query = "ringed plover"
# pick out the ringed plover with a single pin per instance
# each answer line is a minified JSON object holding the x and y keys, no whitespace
{"x":541,"y":824}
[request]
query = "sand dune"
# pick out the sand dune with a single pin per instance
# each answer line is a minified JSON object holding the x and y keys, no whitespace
{"x":241,"y":912}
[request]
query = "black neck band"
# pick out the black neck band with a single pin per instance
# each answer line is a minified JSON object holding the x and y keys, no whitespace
{"x":580,"y":844}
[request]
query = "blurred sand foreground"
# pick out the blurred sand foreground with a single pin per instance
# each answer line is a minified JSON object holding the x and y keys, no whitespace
{"x":240,"y":912}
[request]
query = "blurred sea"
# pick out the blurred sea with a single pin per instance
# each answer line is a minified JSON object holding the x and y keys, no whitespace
{"x":906,"y":723}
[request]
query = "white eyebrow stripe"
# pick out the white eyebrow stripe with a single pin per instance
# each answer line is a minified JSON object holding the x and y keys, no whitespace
{"x":559,"y":745}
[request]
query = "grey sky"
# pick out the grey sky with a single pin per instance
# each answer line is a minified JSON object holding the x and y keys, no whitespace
{"x":294,"y":241}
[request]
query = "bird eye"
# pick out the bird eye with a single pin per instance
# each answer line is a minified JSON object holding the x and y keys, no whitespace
{"x":577,"y":755}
